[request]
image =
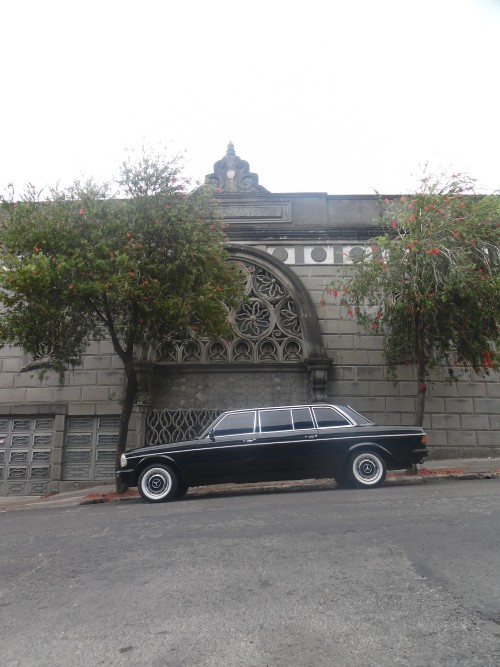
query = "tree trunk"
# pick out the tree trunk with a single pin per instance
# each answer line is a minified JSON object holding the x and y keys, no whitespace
{"x":421,"y":387}
{"x":127,"y":407}
{"x":421,"y":368}
{"x":419,"y":412}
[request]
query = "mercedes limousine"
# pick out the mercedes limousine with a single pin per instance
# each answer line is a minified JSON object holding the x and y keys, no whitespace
{"x":278,"y":443}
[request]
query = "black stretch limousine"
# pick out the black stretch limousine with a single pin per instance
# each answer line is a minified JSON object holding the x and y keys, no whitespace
{"x":268,"y":444}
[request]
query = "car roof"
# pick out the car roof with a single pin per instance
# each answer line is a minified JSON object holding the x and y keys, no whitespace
{"x":286,"y":407}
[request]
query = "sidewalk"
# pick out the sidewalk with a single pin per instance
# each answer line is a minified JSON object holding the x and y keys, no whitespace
{"x":445,"y":469}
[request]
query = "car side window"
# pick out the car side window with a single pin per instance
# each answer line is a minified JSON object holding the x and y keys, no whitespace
{"x":236,"y":423}
{"x":275,"y":420}
{"x":326,"y":417}
{"x":302,"y":418}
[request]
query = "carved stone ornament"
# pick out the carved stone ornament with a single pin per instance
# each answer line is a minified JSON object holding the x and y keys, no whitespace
{"x":266,"y":328}
{"x":232,"y":175}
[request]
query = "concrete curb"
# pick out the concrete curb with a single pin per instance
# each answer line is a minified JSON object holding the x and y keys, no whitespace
{"x":312,"y":485}
{"x":456,"y":469}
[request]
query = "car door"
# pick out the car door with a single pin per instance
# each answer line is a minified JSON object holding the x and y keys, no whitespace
{"x":229,"y":448}
{"x":335,"y":432}
{"x":287,"y":438}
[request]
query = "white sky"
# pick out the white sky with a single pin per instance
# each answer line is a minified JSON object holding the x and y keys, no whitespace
{"x":330,"y":96}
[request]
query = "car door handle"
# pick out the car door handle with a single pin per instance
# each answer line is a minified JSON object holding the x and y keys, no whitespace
{"x":311,"y":437}
{"x":252,"y":440}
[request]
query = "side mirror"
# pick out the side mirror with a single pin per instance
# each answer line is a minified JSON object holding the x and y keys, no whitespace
{"x":211,"y":435}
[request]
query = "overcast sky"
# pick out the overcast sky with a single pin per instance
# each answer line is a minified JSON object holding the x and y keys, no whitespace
{"x":329,"y":96}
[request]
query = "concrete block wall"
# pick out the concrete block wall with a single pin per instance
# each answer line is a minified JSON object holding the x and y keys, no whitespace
{"x":95,"y":387}
{"x":462,"y":419}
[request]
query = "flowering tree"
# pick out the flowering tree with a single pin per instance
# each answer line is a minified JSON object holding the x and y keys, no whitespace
{"x":431,"y":283}
{"x":83,"y":264}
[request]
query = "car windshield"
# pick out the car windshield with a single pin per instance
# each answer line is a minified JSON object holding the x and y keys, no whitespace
{"x":353,"y":414}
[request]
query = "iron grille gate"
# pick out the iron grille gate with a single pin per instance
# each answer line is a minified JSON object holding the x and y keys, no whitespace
{"x":164,"y":426}
{"x":26,"y":445}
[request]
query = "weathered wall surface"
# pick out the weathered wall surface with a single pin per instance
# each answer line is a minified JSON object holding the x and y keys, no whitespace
{"x":227,"y":390}
{"x":97,"y":383}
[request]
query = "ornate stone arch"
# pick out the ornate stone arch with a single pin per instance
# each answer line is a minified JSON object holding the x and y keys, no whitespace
{"x":275,"y":356}
{"x":276,"y":326}
{"x":294,"y":290}
{"x":295,"y":314}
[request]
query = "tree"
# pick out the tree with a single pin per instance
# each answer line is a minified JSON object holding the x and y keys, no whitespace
{"x":84,"y":264}
{"x":430,"y":284}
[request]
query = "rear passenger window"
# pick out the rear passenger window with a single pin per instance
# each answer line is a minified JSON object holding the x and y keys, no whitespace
{"x":275,"y":420}
{"x":302,"y":418}
{"x":329,"y":417}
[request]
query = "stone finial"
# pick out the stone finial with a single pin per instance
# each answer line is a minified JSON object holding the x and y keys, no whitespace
{"x":232,"y":175}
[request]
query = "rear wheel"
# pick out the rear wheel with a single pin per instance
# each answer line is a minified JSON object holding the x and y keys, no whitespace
{"x":366,"y":470}
{"x":158,"y":483}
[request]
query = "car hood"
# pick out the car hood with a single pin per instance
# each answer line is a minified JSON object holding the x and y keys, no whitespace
{"x":161,"y":449}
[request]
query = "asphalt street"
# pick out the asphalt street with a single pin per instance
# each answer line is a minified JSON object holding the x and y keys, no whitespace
{"x":401,"y":575}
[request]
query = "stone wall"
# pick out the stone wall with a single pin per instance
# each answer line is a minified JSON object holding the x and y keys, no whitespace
{"x":97,"y":384}
{"x":223,"y":389}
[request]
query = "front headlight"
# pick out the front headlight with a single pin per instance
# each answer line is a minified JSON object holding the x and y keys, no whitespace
{"x":123,"y":461}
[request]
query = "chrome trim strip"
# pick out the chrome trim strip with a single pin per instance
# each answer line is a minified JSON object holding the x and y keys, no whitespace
{"x":245,"y":444}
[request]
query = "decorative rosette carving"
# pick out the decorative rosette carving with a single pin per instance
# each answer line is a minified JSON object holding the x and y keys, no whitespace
{"x":268,"y":286}
{"x":254,"y":319}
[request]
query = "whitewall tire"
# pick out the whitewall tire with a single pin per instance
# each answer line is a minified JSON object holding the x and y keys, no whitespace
{"x":158,"y":483}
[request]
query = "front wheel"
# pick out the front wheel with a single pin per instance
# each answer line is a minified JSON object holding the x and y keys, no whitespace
{"x":341,"y":479}
{"x":158,"y":483}
{"x":366,"y":470}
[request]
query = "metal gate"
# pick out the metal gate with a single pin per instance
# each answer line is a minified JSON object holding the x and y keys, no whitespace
{"x":90,"y":448}
{"x":26,"y":445}
{"x":165,"y":426}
